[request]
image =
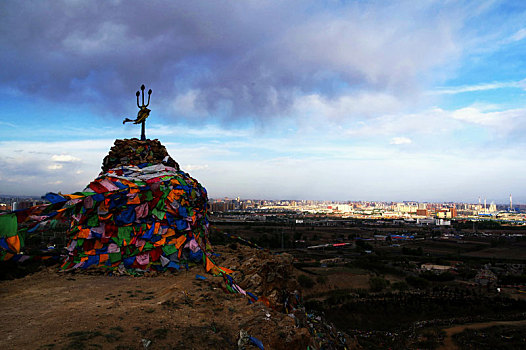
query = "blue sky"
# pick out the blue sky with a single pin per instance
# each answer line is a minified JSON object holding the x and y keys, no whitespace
{"x":333,"y":100}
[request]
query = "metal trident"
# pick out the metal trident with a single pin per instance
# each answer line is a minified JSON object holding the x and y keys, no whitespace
{"x":137,"y":94}
{"x":143,"y":112}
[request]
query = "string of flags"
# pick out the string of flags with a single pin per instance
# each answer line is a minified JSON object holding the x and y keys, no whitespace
{"x":144,"y":213}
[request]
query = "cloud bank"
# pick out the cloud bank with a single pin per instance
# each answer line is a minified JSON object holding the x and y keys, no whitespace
{"x":227,"y":60}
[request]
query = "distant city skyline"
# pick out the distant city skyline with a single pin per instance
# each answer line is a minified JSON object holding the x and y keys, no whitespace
{"x":10,"y":198}
{"x":376,"y":100}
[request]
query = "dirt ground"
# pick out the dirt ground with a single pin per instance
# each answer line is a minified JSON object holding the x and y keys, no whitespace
{"x":516,"y":252}
{"x":449,"y":344}
{"x":55,"y":310}
{"x":336,"y":279}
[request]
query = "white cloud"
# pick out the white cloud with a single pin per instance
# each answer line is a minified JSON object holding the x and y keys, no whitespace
{"x":55,"y":166}
{"x":7,"y":124}
{"x":107,"y":38}
{"x":519,"y":35}
{"x":194,"y":167}
{"x":185,"y":103}
{"x":58,"y":182}
{"x":269,"y":166}
{"x":479,"y":87}
{"x":431,"y":121}
{"x":351,"y":106}
{"x":64,"y":158}
{"x":33,"y":173}
{"x":471,"y":125}
{"x":499,"y":123}
{"x":404,"y":177}
{"x":202,"y":131}
{"x":400,"y":141}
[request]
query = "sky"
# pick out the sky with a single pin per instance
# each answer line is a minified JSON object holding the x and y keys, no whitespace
{"x":326,"y":100}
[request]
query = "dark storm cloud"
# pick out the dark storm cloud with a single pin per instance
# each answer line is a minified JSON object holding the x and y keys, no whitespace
{"x":247,"y":58}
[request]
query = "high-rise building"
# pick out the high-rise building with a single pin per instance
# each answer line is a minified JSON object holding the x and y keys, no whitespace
{"x":422,"y":212}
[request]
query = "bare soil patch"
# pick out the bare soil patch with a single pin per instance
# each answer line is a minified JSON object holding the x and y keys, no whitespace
{"x":55,"y":310}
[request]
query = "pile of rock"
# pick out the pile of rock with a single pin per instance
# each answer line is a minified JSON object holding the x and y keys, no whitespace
{"x":271,"y":277}
{"x":264,"y":273}
{"x":142,"y":214}
{"x":138,"y":153}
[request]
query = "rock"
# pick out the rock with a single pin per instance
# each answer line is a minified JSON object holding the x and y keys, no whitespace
{"x":136,"y":152}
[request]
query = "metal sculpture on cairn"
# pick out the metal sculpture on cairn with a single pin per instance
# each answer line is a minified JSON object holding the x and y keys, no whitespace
{"x":142,"y":114}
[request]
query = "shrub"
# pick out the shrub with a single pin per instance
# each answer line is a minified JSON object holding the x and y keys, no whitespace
{"x":401,"y":286}
{"x":321,"y":279}
{"x":363,"y":245}
{"x":305,"y":281}
{"x":409,"y":251}
{"x":417,"y":282}
{"x":378,"y":283}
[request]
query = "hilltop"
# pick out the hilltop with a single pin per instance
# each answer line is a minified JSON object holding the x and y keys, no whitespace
{"x":56,"y":310}
{"x":138,"y":271}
